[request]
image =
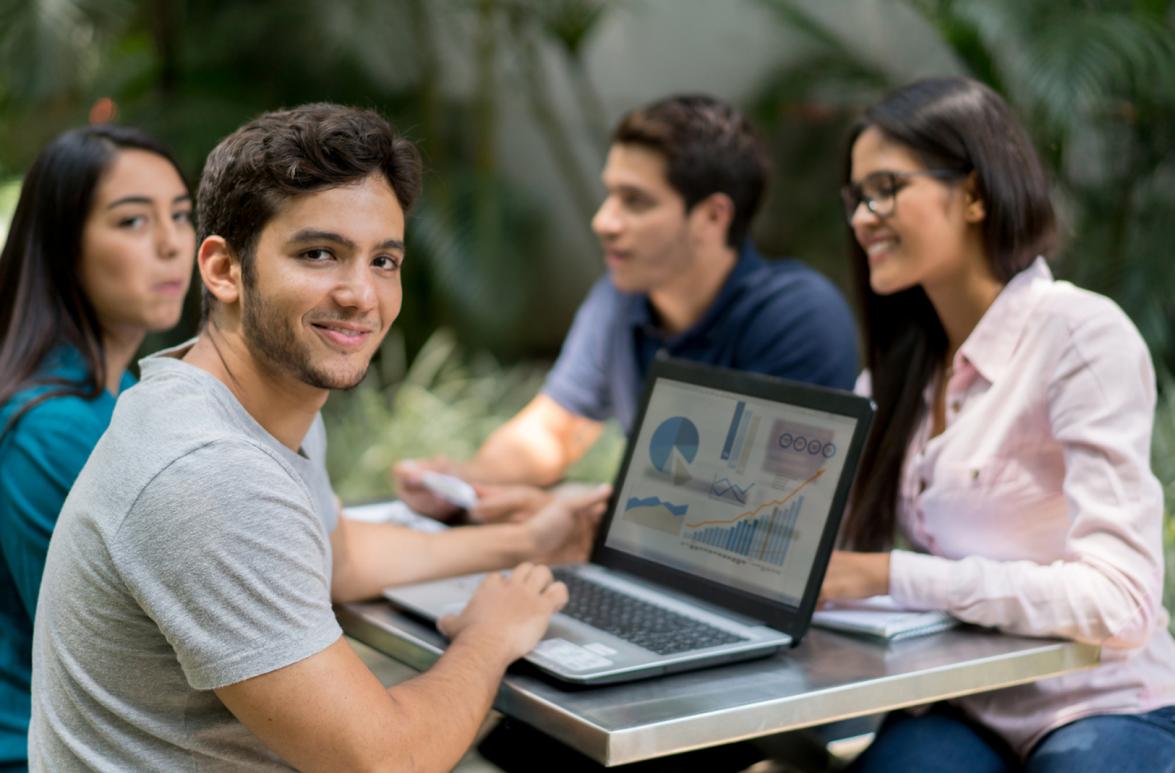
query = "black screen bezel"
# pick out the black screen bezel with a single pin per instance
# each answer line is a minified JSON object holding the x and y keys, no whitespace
{"x":792,"y":620}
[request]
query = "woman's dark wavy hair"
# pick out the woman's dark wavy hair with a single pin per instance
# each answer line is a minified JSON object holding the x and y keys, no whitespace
{"x":42,"y":303}
{"x":961,"y":125}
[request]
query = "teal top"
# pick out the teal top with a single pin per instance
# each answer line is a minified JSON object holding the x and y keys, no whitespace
{"x":39,"y":459}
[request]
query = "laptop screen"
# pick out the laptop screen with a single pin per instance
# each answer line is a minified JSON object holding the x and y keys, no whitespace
{"x":731,"y":487}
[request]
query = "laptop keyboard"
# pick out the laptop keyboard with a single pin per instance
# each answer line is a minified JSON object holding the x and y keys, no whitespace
{"x":644,"y":624}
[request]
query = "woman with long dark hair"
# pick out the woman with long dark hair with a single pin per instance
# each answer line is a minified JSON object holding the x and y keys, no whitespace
{"x":1011,"y":447}
{"x":99,"y":252}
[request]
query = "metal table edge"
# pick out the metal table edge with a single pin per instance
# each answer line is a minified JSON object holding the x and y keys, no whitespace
{"x":849,"y":701}
{"x":737,"y":723}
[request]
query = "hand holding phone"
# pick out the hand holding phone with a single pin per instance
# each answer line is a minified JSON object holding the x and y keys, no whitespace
{"x":449,"y":488}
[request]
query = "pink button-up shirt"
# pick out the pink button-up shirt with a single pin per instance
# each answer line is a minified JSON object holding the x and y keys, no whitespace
{"x":1036,"y":512}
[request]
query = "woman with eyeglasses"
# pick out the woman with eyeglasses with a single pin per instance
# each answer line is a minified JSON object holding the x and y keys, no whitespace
{"x":99,"y":252}
{"x":1010,"y":449}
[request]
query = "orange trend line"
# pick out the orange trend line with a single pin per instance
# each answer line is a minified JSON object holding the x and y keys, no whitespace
{"x":766,"y":504}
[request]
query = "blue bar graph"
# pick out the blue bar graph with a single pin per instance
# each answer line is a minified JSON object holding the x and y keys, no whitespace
{"x":739,"y":437}
{"x":766,"y":538}
{"x":730,"y":433}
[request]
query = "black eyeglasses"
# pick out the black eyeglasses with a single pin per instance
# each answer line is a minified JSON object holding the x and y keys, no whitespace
{"x":879,"y":191}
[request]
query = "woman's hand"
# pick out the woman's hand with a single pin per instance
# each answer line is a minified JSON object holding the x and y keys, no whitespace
{"x":564,"y":529}
{"x":507,"y":503}
{"x":855,"y":576}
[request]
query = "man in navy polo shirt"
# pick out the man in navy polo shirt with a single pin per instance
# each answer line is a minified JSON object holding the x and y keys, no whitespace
{"x":684,"y":177}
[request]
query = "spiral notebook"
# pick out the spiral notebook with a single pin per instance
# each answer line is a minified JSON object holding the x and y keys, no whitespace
{"x":880,"y":616}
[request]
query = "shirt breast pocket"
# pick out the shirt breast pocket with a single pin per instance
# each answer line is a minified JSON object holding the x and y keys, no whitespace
{"x":991,"y":507}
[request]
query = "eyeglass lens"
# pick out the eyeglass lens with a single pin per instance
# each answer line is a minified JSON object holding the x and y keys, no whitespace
{"x":876,"y":191}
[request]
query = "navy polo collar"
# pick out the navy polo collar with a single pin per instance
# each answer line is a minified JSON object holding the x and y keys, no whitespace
{"x":640,"y":311}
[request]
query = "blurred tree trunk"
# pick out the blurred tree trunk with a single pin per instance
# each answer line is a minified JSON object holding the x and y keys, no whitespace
{"x":487,"y":219}
{"x":429,"y":85}
{"x":546,"y":115}
{"x":165,"y":29}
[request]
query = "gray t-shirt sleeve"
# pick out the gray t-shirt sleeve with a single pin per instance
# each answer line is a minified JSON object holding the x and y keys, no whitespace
{"x":579,"y":380}
{"x":314,"y":473}
{"x":225,"y":552}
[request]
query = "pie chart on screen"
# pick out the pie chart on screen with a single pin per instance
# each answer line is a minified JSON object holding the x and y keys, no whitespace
{"x":673,"y":447}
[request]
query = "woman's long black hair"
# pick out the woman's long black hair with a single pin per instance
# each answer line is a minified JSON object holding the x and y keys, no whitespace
{"x":961,"y":125}
{"x":42,"y":303}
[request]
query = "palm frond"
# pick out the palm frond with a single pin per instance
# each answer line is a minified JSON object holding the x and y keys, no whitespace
{"x":1066,"y":63}
{"x":55,"y":45}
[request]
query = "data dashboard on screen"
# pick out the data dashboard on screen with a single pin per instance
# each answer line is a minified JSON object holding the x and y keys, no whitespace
{"x":730,"y":487}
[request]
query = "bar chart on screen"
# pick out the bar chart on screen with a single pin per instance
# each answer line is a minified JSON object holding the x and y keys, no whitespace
{"x":740,"y":438}
{"x":763,"y":533}
{"x":766,"y":538}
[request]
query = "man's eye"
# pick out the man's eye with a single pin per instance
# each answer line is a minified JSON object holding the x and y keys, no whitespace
{"x":388,"y":262}
{"x":317,"y":256}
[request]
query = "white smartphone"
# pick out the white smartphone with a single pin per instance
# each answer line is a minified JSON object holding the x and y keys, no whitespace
{"x":449,"y":488}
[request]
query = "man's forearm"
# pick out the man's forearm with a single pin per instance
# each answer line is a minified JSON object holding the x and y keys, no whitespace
{"x":374,"y":556}
{"x":535,"y":447}
{"x":329,"y":712}
{"x":514,"y":454}
{"x":443,"y":708}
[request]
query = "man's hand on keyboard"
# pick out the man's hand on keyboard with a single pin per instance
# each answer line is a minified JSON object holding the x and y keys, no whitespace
{"x":508,"y":614}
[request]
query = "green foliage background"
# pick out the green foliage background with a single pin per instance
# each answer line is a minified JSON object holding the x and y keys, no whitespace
{"x":1093,"y":79}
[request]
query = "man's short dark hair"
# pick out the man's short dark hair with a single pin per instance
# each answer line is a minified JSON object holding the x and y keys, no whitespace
{"x":288,"y":153}
{"x":709,"y":147}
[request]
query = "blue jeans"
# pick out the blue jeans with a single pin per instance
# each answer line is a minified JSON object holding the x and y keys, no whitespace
{"x":945,"y":739}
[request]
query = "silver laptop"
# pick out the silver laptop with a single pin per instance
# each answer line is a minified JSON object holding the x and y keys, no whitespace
{"x":721,"y":524}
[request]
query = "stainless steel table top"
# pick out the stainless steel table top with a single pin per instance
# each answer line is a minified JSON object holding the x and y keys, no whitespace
{"x":828,"y":677}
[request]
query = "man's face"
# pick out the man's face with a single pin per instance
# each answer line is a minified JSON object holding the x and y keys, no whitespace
{"x":642,"y":225}
{"x":325,"y":286}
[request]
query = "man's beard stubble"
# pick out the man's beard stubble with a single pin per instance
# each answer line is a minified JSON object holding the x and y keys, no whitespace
{"x":269,"y":336}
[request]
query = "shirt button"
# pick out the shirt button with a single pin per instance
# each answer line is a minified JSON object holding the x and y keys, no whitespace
{"x":921,"y":485}
{"x":955,"y":406}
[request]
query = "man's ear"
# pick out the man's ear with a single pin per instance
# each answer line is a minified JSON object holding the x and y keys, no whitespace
{"x":976,"y":211}
{"x":220,"y":269}
{"x":715,"y":213}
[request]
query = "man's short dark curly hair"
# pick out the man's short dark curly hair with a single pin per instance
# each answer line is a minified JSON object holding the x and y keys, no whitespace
{"x":709,"y":147}
{"x":284,"y":154}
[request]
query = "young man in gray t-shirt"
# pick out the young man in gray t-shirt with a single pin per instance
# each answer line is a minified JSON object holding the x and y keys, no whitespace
{"x":185,"y":620}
